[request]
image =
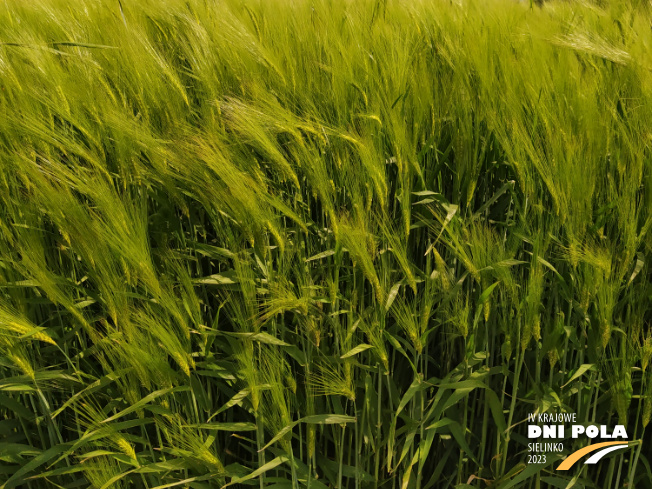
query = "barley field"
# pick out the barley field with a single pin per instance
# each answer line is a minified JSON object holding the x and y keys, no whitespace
{"x":323,"y":243}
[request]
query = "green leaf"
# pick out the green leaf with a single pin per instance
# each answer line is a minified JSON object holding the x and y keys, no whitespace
{"x":356,"y":350}
{"x":236,"y":399}
{"x":46,"y":456}
{"x":392,"y":294}
{"x":528,"y":471}
{"x":321,"y":255}
{"x":496,"y":410}
{"x":313,"y":419}
{"x":259,"y":471}
{"x":637,"y":268}
{"x":484,"y":297}
{"x":237,"y":426}
{"x":327,"y":419}
{"x":579,"y":372}
{"x":215,"y":279}
{"x":493,"y":199}
{"x":457,"y":432}
{"x":146,"y":400}
{"x":260,"y":337}
{"x":83,"y":45}
{"x":508,"y":263}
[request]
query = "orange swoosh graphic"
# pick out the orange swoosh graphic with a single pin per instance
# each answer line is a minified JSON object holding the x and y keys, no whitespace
{"x":575,"y":456}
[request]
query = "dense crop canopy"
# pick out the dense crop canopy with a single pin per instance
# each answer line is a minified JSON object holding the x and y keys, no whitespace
{"x":322,"y":243}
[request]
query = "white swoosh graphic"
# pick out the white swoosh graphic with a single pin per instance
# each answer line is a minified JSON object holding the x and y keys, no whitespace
{"x":594,"y":459}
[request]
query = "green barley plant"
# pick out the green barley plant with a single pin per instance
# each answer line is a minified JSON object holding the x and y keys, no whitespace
{"x":322,"y":244}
